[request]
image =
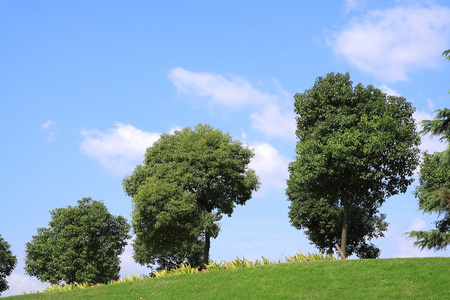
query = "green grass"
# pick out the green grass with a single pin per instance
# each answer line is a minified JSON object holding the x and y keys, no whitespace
{"x":405,"y":278}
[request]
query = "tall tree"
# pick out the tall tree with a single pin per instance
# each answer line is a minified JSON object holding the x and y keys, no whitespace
{"x":356,"y":147}
{"x":81,"y":244}
{"x":433,"y":190}
{"x":7,"y":264}
{"x":188,"y":180}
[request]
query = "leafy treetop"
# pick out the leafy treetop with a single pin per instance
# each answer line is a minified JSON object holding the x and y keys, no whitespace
{"x":356,"y":147}
{"x":188,"y":180}
{"x":81,"y":244}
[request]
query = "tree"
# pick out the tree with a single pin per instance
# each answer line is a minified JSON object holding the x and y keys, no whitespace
{"x":81,"y":244}
{"x":433,"y":190}
{"x":188,"y":180}
{"x":356,"y":147}
{"x":7,"y":264}
{"x":168,"y":225}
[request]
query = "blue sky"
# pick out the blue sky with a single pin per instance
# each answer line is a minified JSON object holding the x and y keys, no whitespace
{"x":86,"y":86}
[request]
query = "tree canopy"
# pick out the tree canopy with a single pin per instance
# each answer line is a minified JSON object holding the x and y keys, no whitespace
{"x":433,"y":190}
{"x":356,"y":147}
{"x":81,"y":244}
{"x":188,"y":180}
{"x":7,"y":264}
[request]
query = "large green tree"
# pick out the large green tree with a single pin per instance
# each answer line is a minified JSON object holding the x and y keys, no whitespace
{"x":188,"y":180}
{"x":357,"y":146}
{"x":81,"y":244}
{"x":433,"y":190}
{"x":7,"y":264}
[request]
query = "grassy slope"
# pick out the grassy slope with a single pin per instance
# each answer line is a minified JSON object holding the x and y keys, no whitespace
{"x":409,"y":278}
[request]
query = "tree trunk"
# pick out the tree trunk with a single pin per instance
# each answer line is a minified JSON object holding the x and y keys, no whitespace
{"x":207,"y":240}
{"x":206,"y":249}
{"x":345,"y":227}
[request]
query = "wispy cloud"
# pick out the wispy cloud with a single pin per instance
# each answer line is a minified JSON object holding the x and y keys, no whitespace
{"x":47,"y":125}
{"x":272,"y":111}
{"x":50,"y":133}
{"x":391,"y":43}
{"x":119,"y":149}
{"x":353,"y":5}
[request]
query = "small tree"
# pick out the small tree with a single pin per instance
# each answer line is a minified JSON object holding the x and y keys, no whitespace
{"x":188,"y":180}
{"x":356,"y":147}
{"x":82,"y":244}
{"x":7,"y":264}
{"x":433,"y":190}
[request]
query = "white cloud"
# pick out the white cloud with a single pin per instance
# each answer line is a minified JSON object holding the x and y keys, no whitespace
{"x":244,"y":134}
{"x":18,"y":284}
{"x":119,"y":149}
{"x":406,"y":249}
{"x":389,"y":91}
{"x":233,"y":92}
{"x":430,"y":104}
{"x":176,"y":128}
{"x":352,"y":5}
{"x":406,"y":246}
{"x":275,"y":123}
{"x":396,"y":242}
{"x":272,"y":112}
{"x":270,"y":166}
{"x":391,"y":43}
{"x":418,"y":224}
{"x":127,"y":264}
{"x":46,"y":127}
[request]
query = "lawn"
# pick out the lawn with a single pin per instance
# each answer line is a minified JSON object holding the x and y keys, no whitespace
{"x":401,"y":278}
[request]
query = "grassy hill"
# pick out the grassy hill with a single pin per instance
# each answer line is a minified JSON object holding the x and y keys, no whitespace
{"x":406,"y":278}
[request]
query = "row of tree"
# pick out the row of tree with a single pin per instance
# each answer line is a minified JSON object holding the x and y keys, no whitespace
{"x":356,"y":147}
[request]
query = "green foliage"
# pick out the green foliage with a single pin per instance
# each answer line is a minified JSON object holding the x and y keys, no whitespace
{"x":299,"y":257}
{"x":433,"y":190}
{"x":81,"y":244}
{"x":446,"y":54}
{"x":188,"y":180}
{"x":240,"y":263}
{"x":356,"y":147}
{"x":166,"y":222}
{"x":440,"y":126}
{"x":7,"y":264}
